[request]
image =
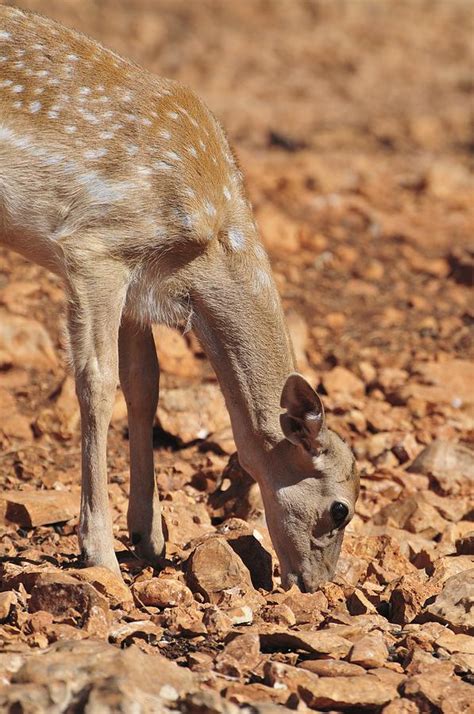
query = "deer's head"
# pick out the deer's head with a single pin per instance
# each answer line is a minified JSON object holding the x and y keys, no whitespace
{"x":309,"y":490}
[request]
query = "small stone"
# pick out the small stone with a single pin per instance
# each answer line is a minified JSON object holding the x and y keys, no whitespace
{"x":323,"y":642}
{"x":162,"y":592}
{"x":332,"y":668}
{"x":347,"y":692}
{"x":8,"y":600}
{"x":454,"y":605}
{"x":215,"y":567}
{"x":370,"y":651}
{"x":39,"y":508}
{"x":341,"y":381}
{"x":64,"y":596}
{"x":105,"y":582}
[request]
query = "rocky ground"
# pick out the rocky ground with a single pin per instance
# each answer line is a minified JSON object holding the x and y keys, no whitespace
{"x":352,"y":122}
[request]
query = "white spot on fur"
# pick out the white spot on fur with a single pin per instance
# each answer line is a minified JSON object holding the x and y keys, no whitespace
{"x":70,"y":129}
{"x":162,"y":166}
{"x":131,"y":149}
{"x":227,"y":193}
{"x":52,"y":114}
{"x":84,"y":90}
{"x":146,"y":122}
{"x":189,"y":192}
{"x":209,"y":208}
{"x":95,"y":153}
{"x":165,"y":134}
{"x":42,"y":73}
{"x":72,"y":58}
{"x":202,"y":145}
{"x":192,"y":151}
{"x":4,"y":35}
{"x":236,"y":239}
{"x":172,"y":115}
{"x":173,"y":155}
{"x":262,"y":280}
{"x":34,"y":107}
{"x":106,"y":135}
{"x":38,"y":90}
{"x":17,"y":105}
{"x":5,"y":83}
{"x":17,"y":88}
{"x":259,"y":251}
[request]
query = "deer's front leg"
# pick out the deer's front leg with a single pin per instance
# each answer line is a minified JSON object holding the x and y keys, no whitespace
{"x":95,"y":307}
{"x":139,"y":376}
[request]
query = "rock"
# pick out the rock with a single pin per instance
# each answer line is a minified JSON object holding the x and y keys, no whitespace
{"x":26,"y":341}
{"x":332,"y":668}
{"x":401,"y":706}
{"x":454,"y":605}
{"x":321,"y":642}
{"x":279,"y":615}
{"x":64,"y":596}
{"x":413,"y":514}
{"x":61,"y":417}
{"x":447,"y":695}
{"x":217,"y":622}
{"x":465,"y":544}
{"x":174,"y":354}
{"x":358,"y":604}
{"x":37,"y":508}
{"x":139,"y":629}
{"x":13,"y":425}
{"x":162,"y":592}
{"x":343,"y":382}
{"x":370,"y":651}
{"x":256,"y":557}
{"x":308,"y":608}
{"x":184,"y":520}
{"x":347,"y":693}
{"x":451,"y":465}
{"x":106,"y":583}
{"x":450,"y":565}
{"x":240,"y":655}
{"x":192,"y":412}
{"x":215,"y":567}
{"x":8,"y":600}
{"x":408,"y":596}
{"x":182,"y":620}
{"x":279,"y":233}
{"x":97,"y":677}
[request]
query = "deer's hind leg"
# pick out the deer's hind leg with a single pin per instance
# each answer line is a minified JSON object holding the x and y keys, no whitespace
{"x":96,"y":298}
{"x":139,"y":376}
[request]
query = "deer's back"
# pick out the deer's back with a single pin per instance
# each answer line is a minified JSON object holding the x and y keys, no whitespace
{"x":97,"y":152}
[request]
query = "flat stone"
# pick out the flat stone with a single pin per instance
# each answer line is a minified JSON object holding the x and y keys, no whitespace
{"x":39,"y":508}
{"x":323,"y":642}
{"x":332,"y":668}
{"x":347,"y":693}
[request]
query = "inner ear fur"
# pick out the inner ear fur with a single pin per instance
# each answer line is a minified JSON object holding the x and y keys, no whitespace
{"x":304,"y":421}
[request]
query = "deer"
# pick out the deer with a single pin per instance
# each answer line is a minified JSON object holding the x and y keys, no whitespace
{"x":124,"y":185}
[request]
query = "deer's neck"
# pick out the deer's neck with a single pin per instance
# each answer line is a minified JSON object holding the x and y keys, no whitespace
{"x":244,"y":334}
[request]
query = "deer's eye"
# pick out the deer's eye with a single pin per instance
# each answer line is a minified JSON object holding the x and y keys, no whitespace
{"x":339,"y":512}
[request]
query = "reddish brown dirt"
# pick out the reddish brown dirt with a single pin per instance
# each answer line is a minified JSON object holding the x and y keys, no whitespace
{"x":353,"y":124}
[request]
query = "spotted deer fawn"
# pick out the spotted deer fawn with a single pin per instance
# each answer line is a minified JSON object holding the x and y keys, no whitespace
{"x":124,"y":185}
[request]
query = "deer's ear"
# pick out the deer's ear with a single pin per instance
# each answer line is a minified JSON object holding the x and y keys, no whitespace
{"x":304,"y":418}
